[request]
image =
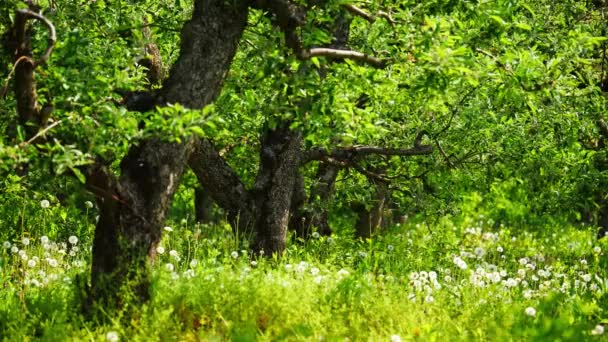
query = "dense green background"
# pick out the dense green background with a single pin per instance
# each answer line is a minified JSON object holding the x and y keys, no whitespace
{"x":510,"y":91}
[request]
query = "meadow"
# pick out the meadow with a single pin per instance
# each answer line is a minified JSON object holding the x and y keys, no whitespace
{"x":458,"y":280}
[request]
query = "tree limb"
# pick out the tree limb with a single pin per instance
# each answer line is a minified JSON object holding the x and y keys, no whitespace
{"x":289,"y":17}
{"x":52,"y":35}
{"x":347,"y":153}
{"x":354,"y":10}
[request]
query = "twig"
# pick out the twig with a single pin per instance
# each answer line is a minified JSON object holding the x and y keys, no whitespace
{"x":11,"y":73}
{"x":354,"y":10}
{"x":39,"y":134}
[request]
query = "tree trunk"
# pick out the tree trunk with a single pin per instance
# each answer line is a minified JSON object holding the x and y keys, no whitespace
{"x":133,"y":208}
{"x":370,"y":220}
{"x":277,"y":177}
{"x":314,"y":213}
{"x":203,"y":205}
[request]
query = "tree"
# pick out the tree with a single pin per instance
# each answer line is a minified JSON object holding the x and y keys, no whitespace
{"x":406,"y":105}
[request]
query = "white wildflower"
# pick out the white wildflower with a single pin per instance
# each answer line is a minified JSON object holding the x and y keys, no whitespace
{"x":597,"y":250}
{"x":598,"y":330}
{"x":193,"y":263}
{"x":31,"y":263}
{"x":73,"y":240}
{"x":234,"y":254}
{"x":160,"y":250}
{"x":343,"y":273}
{"x":395,"y":338}
{"x":479,"y":252}
{"x":168,"y":229}
{"x":25,"y":241}
{"x":530,"y":311}
{"x":45,"y":204}
{"x":112,"y":336}
{"x":316,"y":235}
{"x":6,"y":245}
{"x":88,"y":204}
{"x":169,"y":267}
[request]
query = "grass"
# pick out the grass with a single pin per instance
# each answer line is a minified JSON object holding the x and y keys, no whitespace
{"x":452,"y":281}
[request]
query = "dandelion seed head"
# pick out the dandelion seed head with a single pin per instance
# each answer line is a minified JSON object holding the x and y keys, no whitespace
{"x":598,"y":330}
{"x":73,"y":240}
{"x":112,"y":336}
{"x":160,"y":250}
{"x":530,"y":311}
{"x":45,"y":204}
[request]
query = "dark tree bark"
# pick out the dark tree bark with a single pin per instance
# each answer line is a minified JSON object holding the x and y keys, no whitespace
{"x":134,"y":206}
{"x":203,"y":205}
{"x":223,"y":185}
{"x":278,"y":175}
{"x":314,"y":212}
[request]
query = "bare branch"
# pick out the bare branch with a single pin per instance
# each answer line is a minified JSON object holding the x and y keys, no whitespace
{"x":289,"y":17}
{"x":52,"y":35}
{"x":39,"y":134}
{"x":354,"y":10}
{"x":343,"y":54}
{"x":347,"y":153}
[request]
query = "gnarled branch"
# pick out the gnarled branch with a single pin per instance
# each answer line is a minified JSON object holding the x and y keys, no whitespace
{"x":289,"y":17}
{"x":347,"y":153}
{"x":354,"y":10}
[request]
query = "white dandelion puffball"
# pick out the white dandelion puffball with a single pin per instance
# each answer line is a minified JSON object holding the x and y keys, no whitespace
{"x":169,"y":267}
{"x":73,"y":240}
{"x":160,"y":250}
{"x":6,"y":245}
{"x":45,"y":204}
{"x":44,"y":239}
{"x":530,"y":311}
{"x":234,"y":254}
{"x":598,"y":330}
{"x":395,"y":338}
{"x":112,"y":336}
{"x":168,"y":229}
{"x":88,"y":204}
{"x":31,"y":263}
{"x":25,"y":241}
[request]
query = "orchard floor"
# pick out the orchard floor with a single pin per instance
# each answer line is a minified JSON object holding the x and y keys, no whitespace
{"x":444,"y":282}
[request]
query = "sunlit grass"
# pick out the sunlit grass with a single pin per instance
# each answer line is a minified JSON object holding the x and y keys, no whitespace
{"x":444,"y":282}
